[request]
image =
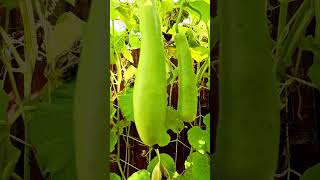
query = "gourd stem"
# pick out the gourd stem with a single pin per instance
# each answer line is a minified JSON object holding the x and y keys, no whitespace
{"x":118,"y":158}
{"x":179,"y":17}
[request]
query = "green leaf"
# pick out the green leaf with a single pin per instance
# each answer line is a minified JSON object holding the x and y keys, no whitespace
{"x":203,"y":7}
{"x":126,"y":104}
{"x":173,"y":122}
{"x":208,"y":84}
{"x":187,"y":175}
{"x":140,"y":175}
{"x":166,"y":161}
{"x":197,"y":167}
{"x":309,"y":44}
{"x":199,"y":53}
{"x":113,"y":140}
{"x":129,"y":73}
{"x":114,"y":14}
{"x":72,"y":2}
{"x":118,"y":42}
{"x":199,"y":139}
{"x":314,"y":73}
{"x":114,"y":176}
{"x":206,"y":121}
{"x":200,"y":166}
{"x":9,"y":154}
{"x":166,"y":6}
{"x":68,"y":29}
{"x":313,"y":173}
{"x":134,"y":41}
{"x":126,"y":15}
{"x":192,"y":39}
{"x":50,"y":132}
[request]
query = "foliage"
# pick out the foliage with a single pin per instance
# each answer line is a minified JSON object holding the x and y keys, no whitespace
{"x":125,"y":40}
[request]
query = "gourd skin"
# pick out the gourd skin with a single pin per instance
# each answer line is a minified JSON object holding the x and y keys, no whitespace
{"x":188,"y":95}
{"x":149,"y":94}
{"x":248,"y":128}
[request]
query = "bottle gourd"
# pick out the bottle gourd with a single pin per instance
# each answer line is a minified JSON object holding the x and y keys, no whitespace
{"x":149,"y":94}
{"x":188,"y":93}
{"x":248,"y":126}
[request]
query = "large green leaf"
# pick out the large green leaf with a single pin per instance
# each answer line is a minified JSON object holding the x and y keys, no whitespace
{"x":126,"y":104}
{"x":199,"y":139}
{"x":200,"y":166}
{"x":312,"y":173}
{"x":187,"y":175}
{"x":50,"y":133}
{"x":117,"y":42}
{"x":203,"y":7}
{"x":173,"y":122}
{"x":199,"y":53}
{"x":68,"y":29}
{"x":197,"y":167}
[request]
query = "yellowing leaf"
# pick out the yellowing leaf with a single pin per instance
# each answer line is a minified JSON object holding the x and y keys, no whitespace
{"x":199,"y":53}
{"x":126,"y":53}
{"x":130,"y":72}
{"x":156,"y":173}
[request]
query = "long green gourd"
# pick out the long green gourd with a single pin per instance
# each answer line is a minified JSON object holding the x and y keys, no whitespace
{"x":91,"y":100}
{"x":149,"y":94}
{"x":188,"y":93}
{"x":248,"y":129}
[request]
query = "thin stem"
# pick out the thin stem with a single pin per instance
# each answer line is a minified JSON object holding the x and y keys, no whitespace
{"x":9,"y":43}
{"x":118,"y":158}
{"x":11,"y":77}
{"x":26,"y":149}
{"x":282,"y":17}
{"x":296,"y":69}
{"x":170,"y":95}
{"x":303,"y":82}
{"x":20,"y":140}
{"x":26,"y":10}
{"x":125,"y":162}
{"x":7,"y":20}
{"x":176,"y":155}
